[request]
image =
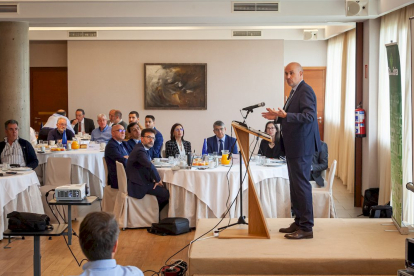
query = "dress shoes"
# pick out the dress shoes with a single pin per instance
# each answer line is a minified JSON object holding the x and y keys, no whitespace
{"x":299,"y":234}
{"x":292,"y":228}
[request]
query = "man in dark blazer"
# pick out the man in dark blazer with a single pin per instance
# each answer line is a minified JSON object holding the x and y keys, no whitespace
{"x":299,"y":139}
{"x":221,"y":141}
{"x":116,"y":150}
{"x":319,"y":164}
{"x":15,"y":150}
{"x":118,"y":119}
{"x":143,"y":177}
{"x":82,"y":124}
{"x":159,"y":139}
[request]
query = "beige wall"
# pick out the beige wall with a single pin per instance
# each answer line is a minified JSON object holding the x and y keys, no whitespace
{"x":307,"y":53}
{"x":109,"y":74}
{"x":48,"y":54}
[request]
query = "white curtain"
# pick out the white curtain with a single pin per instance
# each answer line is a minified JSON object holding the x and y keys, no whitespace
{"x":395,"y":28}
{"x":340,"y":105}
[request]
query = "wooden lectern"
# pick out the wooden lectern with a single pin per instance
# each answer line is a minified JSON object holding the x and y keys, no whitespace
{"x":257,"y":228}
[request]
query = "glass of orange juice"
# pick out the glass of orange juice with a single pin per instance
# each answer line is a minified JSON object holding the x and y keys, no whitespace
{"x":224,"y":157}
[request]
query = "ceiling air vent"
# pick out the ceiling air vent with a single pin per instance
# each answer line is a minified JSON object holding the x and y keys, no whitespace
{"x":83,"y":34}
{"x":247,"y":33}
{"x":8,"y":8}
{"x":255,"y":6}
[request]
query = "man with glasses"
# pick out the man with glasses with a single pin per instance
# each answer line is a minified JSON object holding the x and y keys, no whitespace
{"x":221,"y":141}
{"x":15,"y":150}
{"x":103,"y":133}
{"x":57,"y":133}
{"x":116,"y":150}
{"x":143,"y":177}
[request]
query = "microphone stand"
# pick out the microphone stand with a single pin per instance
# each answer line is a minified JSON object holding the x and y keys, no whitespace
{"x":242,"y":219}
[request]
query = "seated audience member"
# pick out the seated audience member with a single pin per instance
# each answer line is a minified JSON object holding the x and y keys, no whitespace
{"x":177,"y":144}
{"x":221,"y":141}
{"x":133,"y":117}
{"x":101,"y":134}
{"x":111,"y":117}
{"x":98,"y":239}
{"x":57,"y":133}
{"x":134,"y":132}
{"x":15,"y":150}
{"x":51,"y":124}
{"x":116,"y":150}
{"x":271,"y":149}
{"x":118,"y":119}
{"x":33,"y":139}
{"x":82,"y":124}
{"x":150,"y":123}
{"x":143,"y":177}
{"x":319,"y":164}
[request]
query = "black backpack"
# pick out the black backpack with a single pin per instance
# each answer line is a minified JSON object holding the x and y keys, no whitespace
{"x":370,"y":199}
{"x":381,"y":211}
{"x":28,"y":222}
{"x":170,"y":226}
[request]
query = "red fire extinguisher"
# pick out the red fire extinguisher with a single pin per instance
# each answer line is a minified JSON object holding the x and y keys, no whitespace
{"x":360,"y":121}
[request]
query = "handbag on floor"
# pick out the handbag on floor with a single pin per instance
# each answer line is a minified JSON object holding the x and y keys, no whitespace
{"x":170,"y":226}
{"x":381,"y":211}
{"x":370,"y":199}
{"x":28,"y":222}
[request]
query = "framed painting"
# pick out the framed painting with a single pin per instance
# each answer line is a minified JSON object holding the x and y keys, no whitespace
{"x":177,"y":86}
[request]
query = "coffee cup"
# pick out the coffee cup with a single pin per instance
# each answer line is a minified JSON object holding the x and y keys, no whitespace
{"x":43,"y":149}
{"x":183,"y":163}
{"x":157,"y":160}
{"x":102,"y":146}
{"x":51,"y":142}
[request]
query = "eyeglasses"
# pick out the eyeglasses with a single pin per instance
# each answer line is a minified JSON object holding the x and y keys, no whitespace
{"x":219,"y":129}
{"x":150,"y":137}
{"x":120,"y":130}
{"x":179,"y":129}
{"x":270,"y":128}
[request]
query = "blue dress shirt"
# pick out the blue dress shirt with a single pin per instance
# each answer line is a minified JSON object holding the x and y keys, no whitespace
{"x":109,"y":268}
{"x":101,"y":136}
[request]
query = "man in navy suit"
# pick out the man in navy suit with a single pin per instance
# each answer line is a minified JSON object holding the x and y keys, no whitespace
{"x":134,"y":132}
{"x":143,"y":177}
{"x":221,"y":141}
{"x":300,"y":139}
{"x":150,"y":123}
{"x":116,"y":150}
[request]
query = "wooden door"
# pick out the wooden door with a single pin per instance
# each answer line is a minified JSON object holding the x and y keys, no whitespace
{"x":48,"y":93}
{"x":315,"y":77}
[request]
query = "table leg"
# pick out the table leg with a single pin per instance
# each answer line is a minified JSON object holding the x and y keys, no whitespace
{"x":70,"y":224}
{"x":36,"y":257}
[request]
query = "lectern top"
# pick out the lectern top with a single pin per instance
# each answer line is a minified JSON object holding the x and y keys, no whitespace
{"x":252,"y":131}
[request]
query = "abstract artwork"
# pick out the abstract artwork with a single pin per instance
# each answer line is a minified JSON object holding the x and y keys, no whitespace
{"x":175,"y":86}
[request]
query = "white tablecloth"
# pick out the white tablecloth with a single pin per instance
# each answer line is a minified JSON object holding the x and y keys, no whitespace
{"x":87,"y":167}
{"x":203,"y":194}
{"x":19,"y":193}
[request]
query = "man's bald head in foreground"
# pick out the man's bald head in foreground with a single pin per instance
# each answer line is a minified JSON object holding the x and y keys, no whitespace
{"x":293,"y":74}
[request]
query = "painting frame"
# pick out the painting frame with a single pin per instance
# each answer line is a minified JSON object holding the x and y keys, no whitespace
{"x":181,"y":86}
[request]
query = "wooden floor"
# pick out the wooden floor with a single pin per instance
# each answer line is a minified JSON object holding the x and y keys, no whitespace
{"x":136,"y":247}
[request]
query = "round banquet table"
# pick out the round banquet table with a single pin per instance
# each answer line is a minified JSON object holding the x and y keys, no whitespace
{"x":21,"y":193}
{"x":87,"y":167}
{"x":196,"y":194}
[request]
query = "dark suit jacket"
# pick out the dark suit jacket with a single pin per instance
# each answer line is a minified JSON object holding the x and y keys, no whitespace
{"x":29,"y":153}
{"x":171,"y":148}
{"x":132,"y":144}
{"x":89,"y":126}
{"x":319,"y":164}
{"x":300,"y":132}
{"x":140,"y":172}
{"x":113,"y":152}
{"x":55,"y":135}
{"x":159,"y":140}
{"x":125,"y":125}
{"x":212,"y":145}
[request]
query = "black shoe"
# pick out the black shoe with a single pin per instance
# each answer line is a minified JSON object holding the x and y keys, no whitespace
{"x":292,"y":228}
{"x":300,"y":234}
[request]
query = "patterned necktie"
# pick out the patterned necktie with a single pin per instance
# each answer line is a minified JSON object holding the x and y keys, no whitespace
{"x":123,"y":149}
{"x":290,"y":97}
{"x":221,"y":146}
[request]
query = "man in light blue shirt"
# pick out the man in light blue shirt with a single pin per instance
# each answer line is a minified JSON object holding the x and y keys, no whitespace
{"x":98,"y":238}
{"x":101,"y":134}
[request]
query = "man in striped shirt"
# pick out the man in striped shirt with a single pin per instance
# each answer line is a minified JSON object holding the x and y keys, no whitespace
{"x":15,"y":150}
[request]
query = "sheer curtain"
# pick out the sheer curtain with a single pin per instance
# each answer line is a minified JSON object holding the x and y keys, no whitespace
{"x":340,"y":105}
{"x":395,"y":27}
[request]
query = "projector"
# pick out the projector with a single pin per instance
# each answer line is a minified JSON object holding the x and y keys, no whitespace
{"x":71,"y":192}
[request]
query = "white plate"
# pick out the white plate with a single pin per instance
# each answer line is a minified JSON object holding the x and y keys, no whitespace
{"x":21,"y":169}
{"x":273,"y":165}
{"x":163,"y":165}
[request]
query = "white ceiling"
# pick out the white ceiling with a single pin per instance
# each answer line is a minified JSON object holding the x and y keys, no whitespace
{"x":195,"y":19}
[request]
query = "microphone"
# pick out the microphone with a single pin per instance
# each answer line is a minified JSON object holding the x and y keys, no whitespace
{"x":250,"y":108}
{"x":410,"y":186}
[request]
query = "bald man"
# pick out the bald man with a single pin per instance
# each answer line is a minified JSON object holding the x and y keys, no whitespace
{"x":299,"y":139}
